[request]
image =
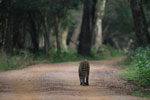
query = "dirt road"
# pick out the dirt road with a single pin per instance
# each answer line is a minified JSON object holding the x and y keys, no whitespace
{"x":60,"y":82}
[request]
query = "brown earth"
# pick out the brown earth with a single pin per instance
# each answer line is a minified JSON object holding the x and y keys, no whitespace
{"x":61,"y":82}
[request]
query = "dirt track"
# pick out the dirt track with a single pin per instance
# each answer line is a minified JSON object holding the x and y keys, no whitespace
{"x":60,"y":82}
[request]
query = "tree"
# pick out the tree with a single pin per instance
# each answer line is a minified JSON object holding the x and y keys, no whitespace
{"x":75,"y":36}
{"x":117,"y":25}
{"x":64,"y":34}
{"x":60,"y":11}
{"x":8,"y":27}
{"x":57,"y":25}
{"x":140,"y":24}
{"x":22,"y":22}
{"x":46,"y":34}
{"x":88,"y":22}
{"x":34,"y":35}
{"x":98,"y":27}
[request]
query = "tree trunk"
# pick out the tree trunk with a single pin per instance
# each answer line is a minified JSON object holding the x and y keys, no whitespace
{"x":46,"y":36}
{"x":2,"y":22}
{"x":57,"y":24}
{"x":2,"y":38}
{"x":88,"y":22}
{"x":140,"y":24}
{"x":8,"y":31}
{"x":98,"y":27}
{"x":64,"y":35}
{"x":33,"y":33}
{"x":73,"y":41}
{"x":19,"y":31}
{"x":8,"y":44}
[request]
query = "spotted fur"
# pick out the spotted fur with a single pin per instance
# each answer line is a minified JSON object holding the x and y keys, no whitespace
{"x":84,"y":69}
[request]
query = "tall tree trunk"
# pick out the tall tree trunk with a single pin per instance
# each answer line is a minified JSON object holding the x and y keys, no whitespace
{"x":33,"y":33}
{"x":88,"y":22}
{"x":98,"y":27}
{"x":2,"y":22}
{"x":46,"y":36}
{"x":64,"y":34}
{"x":8,"y":44}
{"x":8,"y":31}
{"x":73,"y":41}
{"x":24,"y":26}
{"x":140,"y":24}
{"x":2,"y":38}
{"x":57,"y":25}
{"x":19,"y":33}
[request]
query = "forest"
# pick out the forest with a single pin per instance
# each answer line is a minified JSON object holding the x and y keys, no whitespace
{"x":54,"y":31}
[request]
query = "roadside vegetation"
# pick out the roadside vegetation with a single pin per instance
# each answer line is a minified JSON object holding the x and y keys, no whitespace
{"x":137,"y":72}
{"x":24,"y":58}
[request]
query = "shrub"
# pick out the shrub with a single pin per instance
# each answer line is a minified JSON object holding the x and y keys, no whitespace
{"x":19,"y":60}
{"x":141,"y":60}
{"x":23,"y":58}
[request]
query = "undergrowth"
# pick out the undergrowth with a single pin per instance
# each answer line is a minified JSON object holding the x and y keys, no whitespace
{"x":10,"y":62}
{"x":23,"y":58}
{"x":137,"y":72}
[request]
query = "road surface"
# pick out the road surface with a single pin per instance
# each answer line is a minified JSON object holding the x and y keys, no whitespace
{"x":61,"y":82}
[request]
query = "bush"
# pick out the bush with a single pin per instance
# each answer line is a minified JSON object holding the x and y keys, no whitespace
{"x":141,"y":60}
{"x":23,"y":58}
{"x":20,"y":60}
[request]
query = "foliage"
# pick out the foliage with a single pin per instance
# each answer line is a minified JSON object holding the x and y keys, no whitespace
{"x":21,"y":60}
{"x":138,"y":65}
{"x":141,"y":94}
{"x":24,"y":58}
{"x":27,"y":13}
{"x":118,"y":24}
{"x":142,"y":61}
{"x":108,"y":50}
{"x":146,"y":7}
{"x":137,"y":71}
{"x":118,"y":16}
{"x":106,"y":53}
{"x":130,"y":75}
